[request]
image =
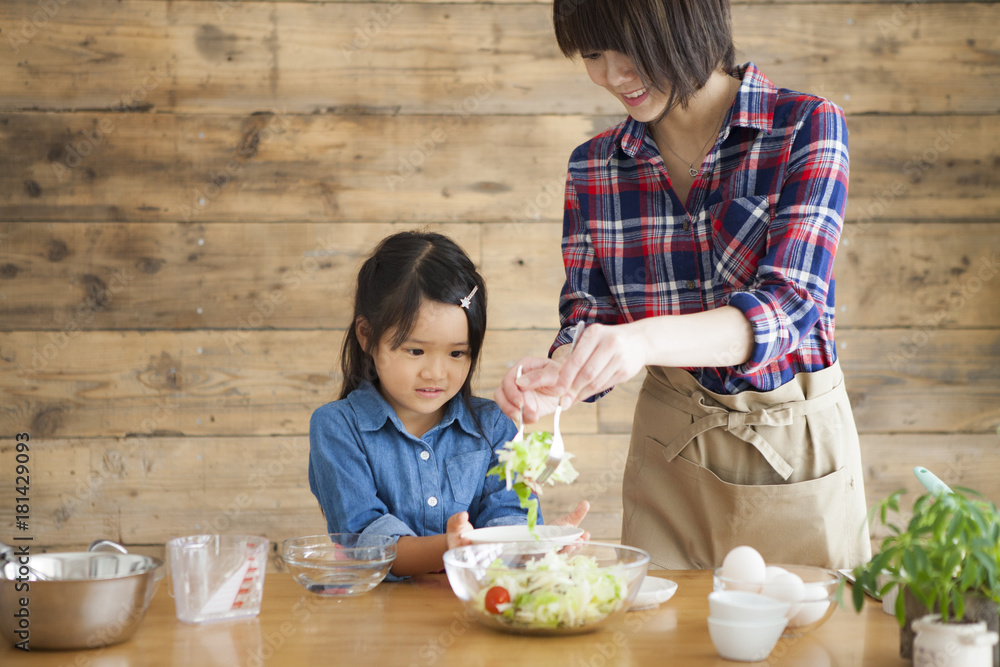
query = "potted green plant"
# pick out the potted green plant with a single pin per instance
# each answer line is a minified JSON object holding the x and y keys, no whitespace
{"x":945,"y":560}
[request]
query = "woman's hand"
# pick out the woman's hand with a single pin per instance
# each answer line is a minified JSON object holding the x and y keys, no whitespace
{"x":605,"y":355}
{"x":457,"y":524}
{"x":536,"y":402}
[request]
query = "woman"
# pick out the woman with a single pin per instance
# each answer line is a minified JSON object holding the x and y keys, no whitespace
{"x":698,"y":240}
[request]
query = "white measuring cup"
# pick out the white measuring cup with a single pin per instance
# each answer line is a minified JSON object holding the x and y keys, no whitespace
{"x":217,"y":577}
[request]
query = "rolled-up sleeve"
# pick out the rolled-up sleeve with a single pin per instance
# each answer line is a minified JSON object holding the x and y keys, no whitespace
{"x":794,"y":277}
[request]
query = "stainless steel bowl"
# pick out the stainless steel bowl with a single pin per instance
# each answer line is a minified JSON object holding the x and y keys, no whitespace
{"x":75,"y":600}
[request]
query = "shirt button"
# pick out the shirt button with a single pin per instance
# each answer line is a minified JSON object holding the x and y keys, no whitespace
{"x":690,"y":284}
{"x":432,"y":501}
{"x":687,"y":225}
{"x":425,"y":455}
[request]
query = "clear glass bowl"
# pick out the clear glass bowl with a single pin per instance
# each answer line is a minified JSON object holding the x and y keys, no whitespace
{"x":553,"y":589}
{"x":339,"y":564}
{"x":816,"y":604}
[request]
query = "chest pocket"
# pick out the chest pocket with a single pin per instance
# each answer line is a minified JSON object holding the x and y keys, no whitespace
{"x":739,"y":232}
{"x":466,"y":473}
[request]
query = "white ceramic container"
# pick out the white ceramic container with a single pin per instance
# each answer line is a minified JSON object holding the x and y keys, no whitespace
{"x":940,"y":644}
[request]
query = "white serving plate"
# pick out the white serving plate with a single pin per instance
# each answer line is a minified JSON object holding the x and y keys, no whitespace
{"x":545,"y":533}
{"x":653,"y":591}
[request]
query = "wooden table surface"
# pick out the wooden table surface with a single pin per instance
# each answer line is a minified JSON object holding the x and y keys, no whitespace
{"x":421,"y":623}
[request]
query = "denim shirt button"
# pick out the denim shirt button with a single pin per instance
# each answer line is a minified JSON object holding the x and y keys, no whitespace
{"x":432,"y":501}
{"x":425,"y":455}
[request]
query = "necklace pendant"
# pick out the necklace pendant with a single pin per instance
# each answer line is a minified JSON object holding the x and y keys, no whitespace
{"x":694,"y":172}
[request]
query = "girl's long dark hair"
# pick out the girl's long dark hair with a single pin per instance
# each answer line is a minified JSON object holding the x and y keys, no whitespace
{"x":404,"y":270}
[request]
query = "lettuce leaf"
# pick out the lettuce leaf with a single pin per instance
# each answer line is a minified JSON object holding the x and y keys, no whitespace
{"x":520,"y":464}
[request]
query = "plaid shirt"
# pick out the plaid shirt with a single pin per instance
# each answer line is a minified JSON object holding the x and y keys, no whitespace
{"x":763,"y":225}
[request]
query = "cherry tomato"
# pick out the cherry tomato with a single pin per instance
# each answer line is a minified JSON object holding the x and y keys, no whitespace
{"x":496,"y":596}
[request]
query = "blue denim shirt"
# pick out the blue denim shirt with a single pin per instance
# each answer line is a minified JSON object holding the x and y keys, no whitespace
{"x":371,"y":476}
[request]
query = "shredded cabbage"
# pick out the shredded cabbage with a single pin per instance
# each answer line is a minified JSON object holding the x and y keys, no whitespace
{"x":553,"y":592}
{"x":522,"y":461}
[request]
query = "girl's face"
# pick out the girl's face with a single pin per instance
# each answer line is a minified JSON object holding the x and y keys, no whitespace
{"x":613,"y":71}
{"x":420,"y":376}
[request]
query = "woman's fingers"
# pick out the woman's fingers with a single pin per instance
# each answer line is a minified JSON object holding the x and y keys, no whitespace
{"x":604,"y":357}
{"x":584,"y":371}
{"x":509,"y":395}
{"x":531,"y":392}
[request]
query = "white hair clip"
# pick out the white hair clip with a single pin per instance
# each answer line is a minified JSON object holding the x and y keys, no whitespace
{"x":468,"y":300}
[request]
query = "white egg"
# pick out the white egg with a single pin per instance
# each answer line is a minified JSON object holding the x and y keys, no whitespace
{"x":745,"y":566}
{"x":785,"y":586}
{"x":771,"y":571}
{"x":809,"y":612}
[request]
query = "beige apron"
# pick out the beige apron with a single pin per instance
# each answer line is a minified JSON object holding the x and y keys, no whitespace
{"x":779,"y":471}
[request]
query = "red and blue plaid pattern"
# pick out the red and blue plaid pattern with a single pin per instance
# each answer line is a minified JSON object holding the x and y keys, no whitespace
{"x":765,"y":218}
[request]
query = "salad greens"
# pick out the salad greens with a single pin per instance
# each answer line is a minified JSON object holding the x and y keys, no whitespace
{"x":556,"y":591}
{"x":522,"y":461}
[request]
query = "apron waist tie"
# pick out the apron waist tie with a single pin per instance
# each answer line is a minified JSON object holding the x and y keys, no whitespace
{"x":738,"y":422}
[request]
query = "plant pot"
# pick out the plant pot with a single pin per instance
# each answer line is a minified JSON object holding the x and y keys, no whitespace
{"x":959,"y":644}
{"x":977,"y":609}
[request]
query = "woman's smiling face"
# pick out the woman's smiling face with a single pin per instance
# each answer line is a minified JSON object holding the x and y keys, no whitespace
{"x":614,"y":72}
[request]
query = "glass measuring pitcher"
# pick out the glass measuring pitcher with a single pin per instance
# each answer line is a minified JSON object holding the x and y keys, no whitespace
{"x":217,"y":577}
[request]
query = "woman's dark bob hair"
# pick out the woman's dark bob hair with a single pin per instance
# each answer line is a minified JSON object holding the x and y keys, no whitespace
{"x":674,"y":45}
{"x":402,"y":272}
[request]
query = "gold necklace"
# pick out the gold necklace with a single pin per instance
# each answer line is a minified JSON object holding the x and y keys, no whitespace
{"x":691,"y":170}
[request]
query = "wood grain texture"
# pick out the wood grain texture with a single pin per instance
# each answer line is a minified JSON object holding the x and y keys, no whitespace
{"x":144,"y":490}
{"x":248,"y":276}
{"x":89,"y":384}
{"x":216,"y":383}
{"x":380,"y":58}
{"x":926,"y":276}
{"x":921,"y":379}
{"x":187,"y":188}
{"x":421,"y":622}
{"x":243,"y":276}
{"x":323,"y":168}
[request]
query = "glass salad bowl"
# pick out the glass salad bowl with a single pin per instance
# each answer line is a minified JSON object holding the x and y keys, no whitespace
{"x":544,"y":588}
{"x":339,"y":564}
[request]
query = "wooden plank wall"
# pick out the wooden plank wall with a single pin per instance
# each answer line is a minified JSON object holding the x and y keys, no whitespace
{"x":187,"y":187}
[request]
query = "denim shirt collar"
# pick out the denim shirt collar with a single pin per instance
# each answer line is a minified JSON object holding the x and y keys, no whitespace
{"x":373,"y":411}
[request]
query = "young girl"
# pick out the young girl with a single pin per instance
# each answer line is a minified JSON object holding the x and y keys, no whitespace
{"x":405,"y":450}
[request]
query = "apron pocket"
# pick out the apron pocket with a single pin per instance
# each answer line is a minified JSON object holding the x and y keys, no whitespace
{"x":799,"y":523}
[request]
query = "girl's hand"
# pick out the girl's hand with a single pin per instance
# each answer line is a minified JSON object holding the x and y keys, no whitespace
{"x":536,"y":401}
{"x":575,"y":517}
{"x":458,"y":524}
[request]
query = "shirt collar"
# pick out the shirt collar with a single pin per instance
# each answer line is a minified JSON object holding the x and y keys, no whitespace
{"x":373,"y":411}
{"x":754,"y":108}
{"x":756,"y":101}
